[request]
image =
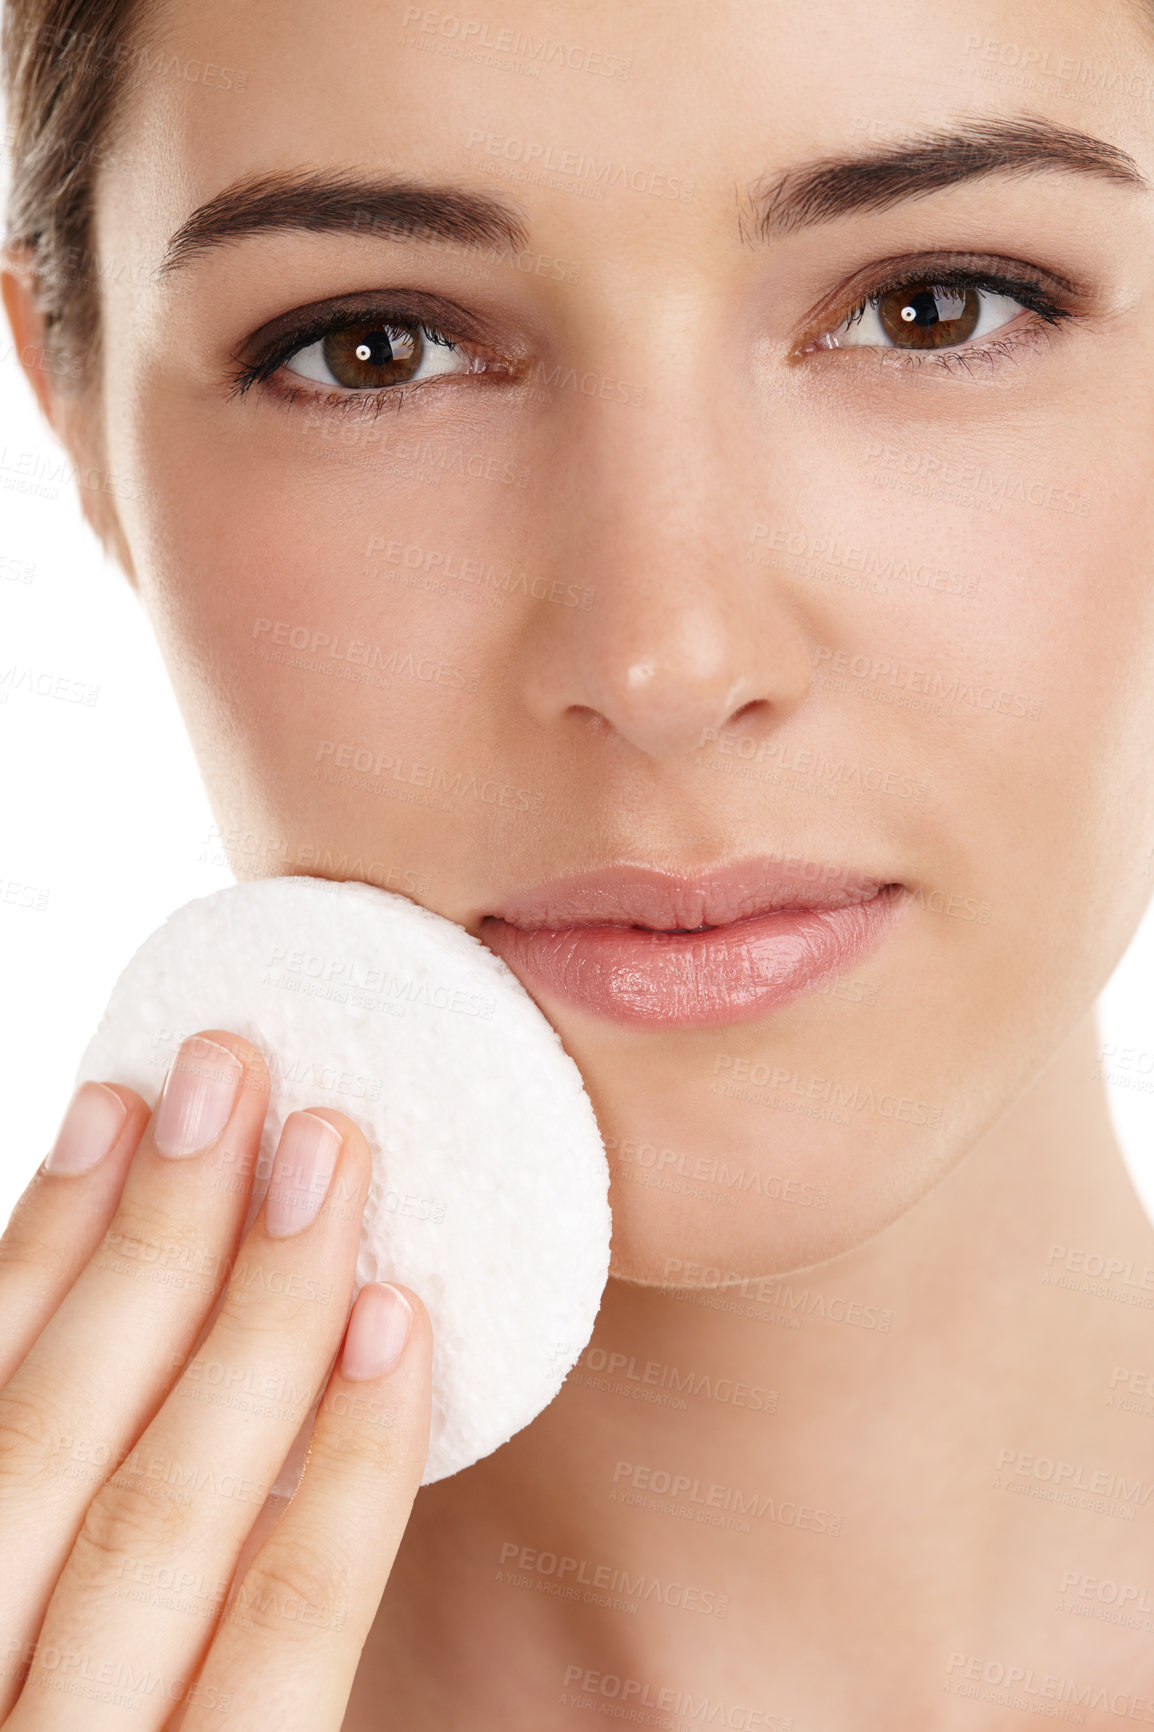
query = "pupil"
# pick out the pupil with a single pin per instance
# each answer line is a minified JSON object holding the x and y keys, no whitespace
{"x":375,"y":348}
{"x":922,"y":309}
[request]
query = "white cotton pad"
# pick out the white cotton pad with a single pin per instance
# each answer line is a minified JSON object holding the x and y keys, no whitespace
{"x":490,"y":1186}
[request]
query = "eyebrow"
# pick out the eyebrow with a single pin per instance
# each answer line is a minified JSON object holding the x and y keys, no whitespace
{"x":836,"y":186}
{"x":339,"y":203}
{"x":812,"y":193}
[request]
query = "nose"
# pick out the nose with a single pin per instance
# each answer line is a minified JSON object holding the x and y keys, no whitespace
{"x":653,"y":511}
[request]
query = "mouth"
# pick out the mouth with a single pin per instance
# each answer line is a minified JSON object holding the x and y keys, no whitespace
{"x":654,"y":949}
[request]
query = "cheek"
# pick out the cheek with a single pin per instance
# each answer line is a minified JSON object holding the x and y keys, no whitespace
{"x":984,"y":617}
{"x":338,"y":615}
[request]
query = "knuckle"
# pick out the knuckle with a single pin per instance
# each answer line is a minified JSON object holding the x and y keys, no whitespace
{"x":31,"y":1440}
{"x":361,"y":1436}
{"x":147,"y":1240}
{"x":24,"y":1247}
{"x":247,"y":1321}
{"x":257,"y":1356}
{"x":129,"y":1519}
{"x":266,"y":1302}
{"x":293,"y":1583}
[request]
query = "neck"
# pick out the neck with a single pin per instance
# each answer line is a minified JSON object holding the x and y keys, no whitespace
{"x":715,"y":1455}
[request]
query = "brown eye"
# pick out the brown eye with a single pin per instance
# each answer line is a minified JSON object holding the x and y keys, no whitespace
{"x":366,"y":355}
{"x":926,"y":317}
{"x":369,"y":357}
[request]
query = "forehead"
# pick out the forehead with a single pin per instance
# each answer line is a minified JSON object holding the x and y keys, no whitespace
{"x":693,"y":101}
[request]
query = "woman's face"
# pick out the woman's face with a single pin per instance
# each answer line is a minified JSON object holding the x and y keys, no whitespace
{"x":671,"y":563}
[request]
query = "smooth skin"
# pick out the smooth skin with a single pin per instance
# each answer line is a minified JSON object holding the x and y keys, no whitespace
{"x":137,"y":1451}
{"x":666,"y":440}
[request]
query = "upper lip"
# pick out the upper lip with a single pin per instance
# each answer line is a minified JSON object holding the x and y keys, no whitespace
{"x":685,"y":901}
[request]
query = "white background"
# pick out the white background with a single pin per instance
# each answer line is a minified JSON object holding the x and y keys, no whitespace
{"x":102,"y":810}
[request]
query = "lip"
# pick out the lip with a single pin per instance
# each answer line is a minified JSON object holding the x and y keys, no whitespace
{"x":654,"y":949}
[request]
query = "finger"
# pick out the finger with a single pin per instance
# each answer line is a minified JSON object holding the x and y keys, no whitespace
{"x":104,"y":1361}
{"x":288,"y":1646}
{"x":64,"y":1213}
{"x":184,"y":1500}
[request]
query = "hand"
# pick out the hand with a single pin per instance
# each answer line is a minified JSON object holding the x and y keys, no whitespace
{"x":153,"y":1377}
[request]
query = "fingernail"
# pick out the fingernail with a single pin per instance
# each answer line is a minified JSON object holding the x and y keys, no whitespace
{"x":377,"y":1331}
{"x":198,"y":1096}
{"x":299,"y":1182}
{"x":88,"y":1129}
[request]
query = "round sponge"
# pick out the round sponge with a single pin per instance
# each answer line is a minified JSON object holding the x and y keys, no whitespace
{"x":489,"y":1195}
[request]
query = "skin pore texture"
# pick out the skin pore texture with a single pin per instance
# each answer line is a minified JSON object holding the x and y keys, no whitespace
{"x":850,"y":1237}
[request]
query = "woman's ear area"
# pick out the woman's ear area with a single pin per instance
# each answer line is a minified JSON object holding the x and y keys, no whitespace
{"x":18,"y":288}
{"x":72,"y":412}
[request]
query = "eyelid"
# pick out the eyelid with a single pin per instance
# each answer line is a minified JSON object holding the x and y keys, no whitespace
{"x":261,"y":355}
{"x":416,"y":306}
{"x":882,"y":275}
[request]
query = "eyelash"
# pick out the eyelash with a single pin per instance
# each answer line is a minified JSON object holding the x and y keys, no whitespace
{"x":348,"y":401}
{"x":1048,"y":313}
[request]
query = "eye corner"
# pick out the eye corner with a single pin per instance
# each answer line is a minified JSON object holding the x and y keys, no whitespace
{"x":806,"y":346}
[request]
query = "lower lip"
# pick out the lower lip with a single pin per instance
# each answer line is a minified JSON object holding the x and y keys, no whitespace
{"x":727,"y":974}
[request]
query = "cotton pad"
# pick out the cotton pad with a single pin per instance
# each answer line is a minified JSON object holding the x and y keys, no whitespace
{"x":489,"y":1195}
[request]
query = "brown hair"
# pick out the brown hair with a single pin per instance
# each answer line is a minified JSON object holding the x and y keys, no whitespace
{"x":66,"y":65}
